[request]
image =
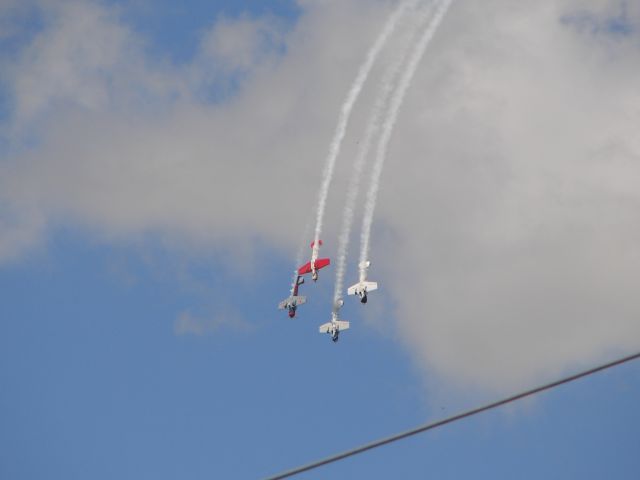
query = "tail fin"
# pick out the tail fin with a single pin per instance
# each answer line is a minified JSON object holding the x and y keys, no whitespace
{"x":362,"y":270}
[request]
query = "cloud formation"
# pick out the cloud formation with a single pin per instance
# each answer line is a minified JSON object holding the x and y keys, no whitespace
{"x":526,"y":241}
{"x":507,"y":230}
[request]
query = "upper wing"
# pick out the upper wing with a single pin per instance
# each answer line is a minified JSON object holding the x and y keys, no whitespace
{"x":306,"y":268}
{"x":324,"y":328}
{"x":284,"y":304}
{"x":299,"y":300}
{"x":341,"y":324}
{"x":371,"y":286}
{"x":322,"y":262}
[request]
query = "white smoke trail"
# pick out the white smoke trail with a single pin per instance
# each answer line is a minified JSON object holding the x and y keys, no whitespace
{"x":347,"y":107}
{"x":300,"y":254}
{"x":387,"y":129}
{"x":384,"y":91}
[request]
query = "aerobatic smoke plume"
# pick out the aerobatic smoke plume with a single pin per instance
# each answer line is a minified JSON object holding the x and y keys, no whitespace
{"x":347,"y":107}
{"x":382,"y":98}
{"x":387,"y":128}
{"x":300,"y":254}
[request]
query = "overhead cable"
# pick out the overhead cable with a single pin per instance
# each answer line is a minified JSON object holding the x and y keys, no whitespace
{"x":451,"y":419}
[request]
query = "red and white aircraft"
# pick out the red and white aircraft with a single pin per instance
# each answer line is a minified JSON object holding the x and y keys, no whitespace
{"x":294,"y":300}
{"x":316,"y":263}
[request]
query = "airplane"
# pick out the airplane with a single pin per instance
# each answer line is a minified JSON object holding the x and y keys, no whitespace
{"x":294,"y":299}
{"x":363,"y":287}
{"x":335,"y":326}
{"x":315,"y":264}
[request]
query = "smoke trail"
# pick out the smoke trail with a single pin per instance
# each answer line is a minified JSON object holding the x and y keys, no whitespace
{"x":387,"y":129}
{"x":347,"y":107}
{"x":382,"y":98}
{"x":300,"y":254}
{"x":301,"y":248}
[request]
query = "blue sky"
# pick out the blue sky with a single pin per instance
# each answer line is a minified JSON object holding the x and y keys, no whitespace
{"x":104,"y":362}
{"x":175,"y":28}
{"x":97,"y":384}
{"x":97,"y":379}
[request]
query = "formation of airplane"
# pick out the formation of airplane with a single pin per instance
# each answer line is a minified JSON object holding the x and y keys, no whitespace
{"x":360,"y":289}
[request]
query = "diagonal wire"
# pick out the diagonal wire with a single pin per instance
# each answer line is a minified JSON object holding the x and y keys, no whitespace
{"x":454,"y":418}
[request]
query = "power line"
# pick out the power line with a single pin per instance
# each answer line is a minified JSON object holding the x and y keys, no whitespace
{"x":454,"y":418}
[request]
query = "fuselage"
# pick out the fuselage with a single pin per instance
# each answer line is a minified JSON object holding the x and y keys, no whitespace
{"x":292,"y":301}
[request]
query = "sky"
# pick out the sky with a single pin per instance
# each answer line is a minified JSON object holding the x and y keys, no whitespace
{"x":159,"y":163}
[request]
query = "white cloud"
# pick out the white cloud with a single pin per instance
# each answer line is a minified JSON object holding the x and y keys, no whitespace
{"x":527,"y":182}
{"x":238,"y":44}
{"x":85,"y":59}
{"x":20,"y":230}
{"x":510,"y":197}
